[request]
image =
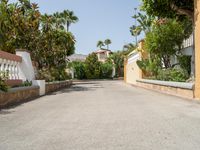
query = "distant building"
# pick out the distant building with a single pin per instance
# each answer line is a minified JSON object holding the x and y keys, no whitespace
{"x":103,"y":54}
{"x":77,"y":57}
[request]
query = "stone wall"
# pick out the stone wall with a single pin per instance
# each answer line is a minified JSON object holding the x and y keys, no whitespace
{"x":23,"y":94}
{"x":184,"y":90}
{"x":18,"y":95}
{"x":55,"y":86}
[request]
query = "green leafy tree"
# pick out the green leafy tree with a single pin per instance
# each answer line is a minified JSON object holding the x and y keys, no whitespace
{"x":117,"y":58}
{"x":165,"y":40}
{"x":45,"y":36}
{"x":106,"y":70}
{"x":19,"y":25}
{"x":79,"y":69}
{"x":169,"y":8}
{"x":93,"y":67}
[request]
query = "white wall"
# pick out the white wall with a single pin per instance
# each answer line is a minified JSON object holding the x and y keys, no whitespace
{"x":26,"y":70}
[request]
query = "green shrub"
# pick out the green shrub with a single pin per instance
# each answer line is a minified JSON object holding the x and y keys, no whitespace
{"x":92,"y":67}
{"x":52,"y":74}
{"x":3,"y":78}
{"x":165,"y":40}
{"x":79,"y":70}
{"x":27,"y":83}
{"x":106,"y":70}
{"x":45,"y":74}
{"x":149,"y":66}
{"x":176,"y":75}
{"x":185,"y":63}
{"x":3,"y":86}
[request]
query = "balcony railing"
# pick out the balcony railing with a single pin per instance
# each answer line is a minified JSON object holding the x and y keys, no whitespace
{"x":188,"y":42}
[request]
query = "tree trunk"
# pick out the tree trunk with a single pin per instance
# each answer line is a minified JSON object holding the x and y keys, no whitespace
{"x":182,"y":11}
{"x":68,"y":24}
{"x":166,"y":61}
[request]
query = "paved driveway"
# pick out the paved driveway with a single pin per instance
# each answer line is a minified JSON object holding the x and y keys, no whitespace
{"x":102,"y":115}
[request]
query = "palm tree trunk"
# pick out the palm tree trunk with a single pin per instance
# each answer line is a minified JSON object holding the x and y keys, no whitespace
{"x":68,"y":24}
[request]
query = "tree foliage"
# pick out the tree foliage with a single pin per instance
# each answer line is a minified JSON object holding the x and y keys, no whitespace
{"x":106,"y":70}
{"x":169,"y":8}
{"x":107,"y":42}
{"x":79,"y":69}
{"x":117,"y":58}
{"x":93,"y":67}
{"x":165,"y":40}
{"x":3,"y":78}
{"x":100,"y":44}
{"x":145,"y":24}
{"x":128,"y":48}
{"x":19,"y":25}
{"x":23,"y":27}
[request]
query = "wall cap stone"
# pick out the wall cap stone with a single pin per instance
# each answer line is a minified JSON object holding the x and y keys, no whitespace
{"x":9,"y":56}
{"x":182,"y":85}
{"x":58,"y":82}
{"x":12,"y":90}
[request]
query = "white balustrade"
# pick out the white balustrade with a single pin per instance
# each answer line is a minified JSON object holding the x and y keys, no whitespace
{"x":11,"y":67}
{"x":18,"y":66}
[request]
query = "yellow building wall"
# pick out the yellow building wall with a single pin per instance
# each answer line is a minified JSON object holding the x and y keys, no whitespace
{"x":125,"y":70}
{"x":197,"y":49}
{"x":133,"y":73}
{"x":131,"y":70}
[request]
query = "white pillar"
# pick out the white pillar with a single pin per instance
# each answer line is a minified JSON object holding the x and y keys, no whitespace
{"x":17,"y":70}
{"x":26,"y":70}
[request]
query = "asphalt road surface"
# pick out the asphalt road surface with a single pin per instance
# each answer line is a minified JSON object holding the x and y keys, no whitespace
{"x":102,"y":115}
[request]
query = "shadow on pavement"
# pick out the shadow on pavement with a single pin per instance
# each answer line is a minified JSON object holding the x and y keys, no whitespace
{"x":76,"y":87}
{"x":79,"y":86}
{"x":5,"y":112}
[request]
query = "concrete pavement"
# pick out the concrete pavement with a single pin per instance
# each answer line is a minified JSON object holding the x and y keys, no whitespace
{"x":102,"y":115}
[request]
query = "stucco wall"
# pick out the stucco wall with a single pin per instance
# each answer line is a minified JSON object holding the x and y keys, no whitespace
{"x":197,"y":49}
{"x":26,"y":70}
{"x":132,"y":70}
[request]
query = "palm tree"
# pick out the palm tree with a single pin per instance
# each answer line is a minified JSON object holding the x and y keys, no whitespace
{"x":69,"y":18}
{"x":135,"y":31}
{"x":58,"y":20}
{"x":129,"y":48}
{"x":145,"y":22}
{"x":47,"y":22}
{"x":107,"y":42}
{"x":100,"y":44}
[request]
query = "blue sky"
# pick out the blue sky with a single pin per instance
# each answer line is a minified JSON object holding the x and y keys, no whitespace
{"x":98,"y":20}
